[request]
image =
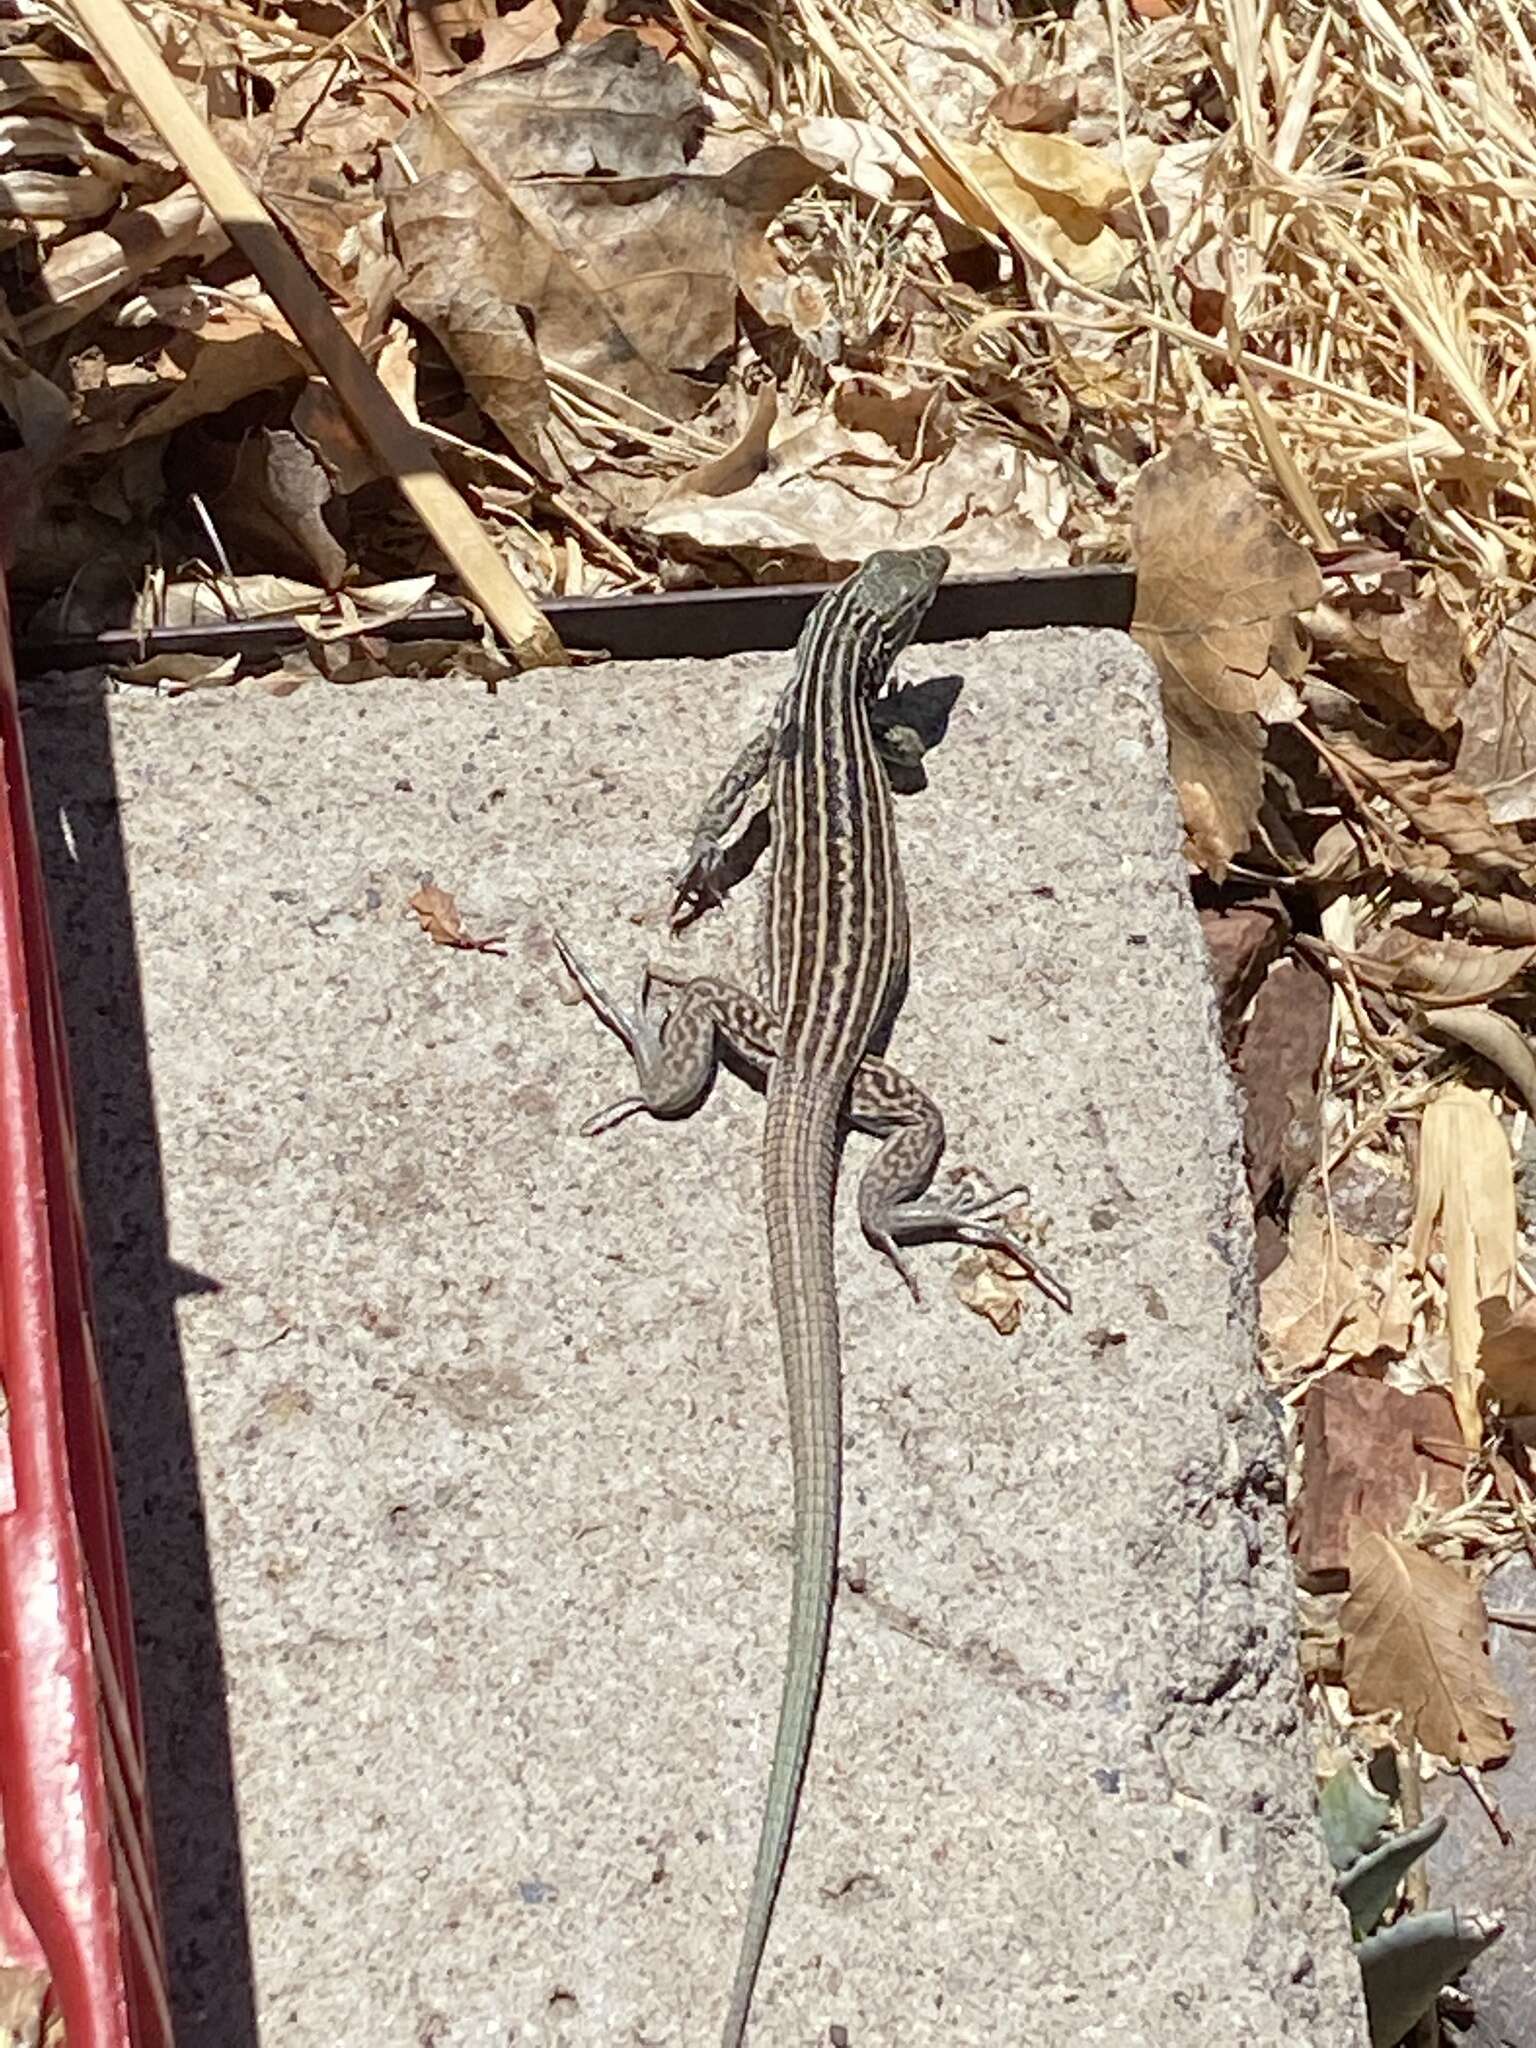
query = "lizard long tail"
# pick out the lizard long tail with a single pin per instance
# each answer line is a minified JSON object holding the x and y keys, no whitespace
{"x":799,"y":1171}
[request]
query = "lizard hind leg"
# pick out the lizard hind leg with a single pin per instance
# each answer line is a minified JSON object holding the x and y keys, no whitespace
{"x":896,"y":1203}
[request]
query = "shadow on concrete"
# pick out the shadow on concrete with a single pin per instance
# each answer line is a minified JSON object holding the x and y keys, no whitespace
{"x":136,"y":1285}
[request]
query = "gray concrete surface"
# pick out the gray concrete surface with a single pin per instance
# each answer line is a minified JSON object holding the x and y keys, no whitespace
{"x":481,"y":1423}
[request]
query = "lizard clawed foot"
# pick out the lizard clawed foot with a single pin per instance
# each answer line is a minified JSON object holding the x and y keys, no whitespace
{"x":987,"y":1239}
{"x":699,"y":885}
{"x":972,"y":1213}
{"x":884,"y":1242}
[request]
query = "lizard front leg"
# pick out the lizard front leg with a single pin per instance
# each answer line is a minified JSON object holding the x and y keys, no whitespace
{"x":700,"y":886}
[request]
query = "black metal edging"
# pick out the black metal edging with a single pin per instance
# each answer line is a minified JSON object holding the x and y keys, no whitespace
{"x":681,"y":622}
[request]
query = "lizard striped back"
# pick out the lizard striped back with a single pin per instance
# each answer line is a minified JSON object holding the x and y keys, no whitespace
{"x":836,"y":942}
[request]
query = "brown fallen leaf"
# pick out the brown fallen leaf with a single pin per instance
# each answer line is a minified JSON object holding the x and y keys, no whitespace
{"x":1044,"y":104}
{"x":1511,"y":920}
{"x":575,"y":181}
{"x":269,"y":492}
{"x":441,"y":921}
{"x":459,"y":250}
{"x":1507,"y":1355}
{"x":1243,"y":941}
{"x":1466,"y":1186}
{"x":1219,"y":586}
{"x":220,"y":349}
{"x":1415,"y":1642}
{"x":1361,"y":1467}
{"x":1497,"y":754}
{"x":1278,"y":1068}
{"x":1216,"y":759}
{"x":96,"y":267}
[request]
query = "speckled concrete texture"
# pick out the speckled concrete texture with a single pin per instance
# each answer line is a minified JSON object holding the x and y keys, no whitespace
{"x":453,"y":1446}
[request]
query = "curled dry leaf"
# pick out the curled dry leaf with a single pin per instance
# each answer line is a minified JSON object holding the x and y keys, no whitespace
{"x":84,"y":273}
{"x":1466,"y":1186}
{"x":441,"y":921}
{"x":877,"y":470}
{"x":1497,"y":754}
{"x":229,"y":345}
{"x":866,"y":158}
{"x":981,"y":1286}
{"x":1511,"y":920}
{"x":1219,"y":585}
{"x":1052,"y":196}
{"x":1495,"y":1038}
{"x":1415,"y":1642}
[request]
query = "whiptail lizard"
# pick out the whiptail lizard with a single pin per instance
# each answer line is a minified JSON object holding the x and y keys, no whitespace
{"x":837,"y":948}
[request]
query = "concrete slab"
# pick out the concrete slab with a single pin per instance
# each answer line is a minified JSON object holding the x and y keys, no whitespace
{"x":453,"y":1445}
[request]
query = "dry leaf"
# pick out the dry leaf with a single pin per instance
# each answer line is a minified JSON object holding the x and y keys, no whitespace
{"x":1051,"y":196}
{"x":1495,"y":1038}
{"x":1466,"y":1185}
{"x":1219,"y":584}
{"x":981,"y":1286}
{"x":221,"y":348}
{"x":84,"y":273}
{"x":575,"y":215}
{"x":1415,"y":1642}
{"x":1511,"y":920}
{"x":868,"y":159}
{"x":1394,"y":654}
{"x":1216,"y":759}
{"x":1332,"y":1297}
{"x":1439,"y":972}
{"x":460,"y":254}
{"x":1282,"y":1053}
{"x":1497,"y":754}
{"x":1440,"y":807}
{"x":1218,"y":588}
{"x":1361,"y":1466}
{"x":876,"y":470}
{"x":173,"y":675}
{"x":1507,"y":1355}
{"x":1043,"y":104}
{"x":440,"y":920}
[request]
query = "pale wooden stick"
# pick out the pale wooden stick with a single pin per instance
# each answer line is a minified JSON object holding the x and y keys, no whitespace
{"x":399,"y":445}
